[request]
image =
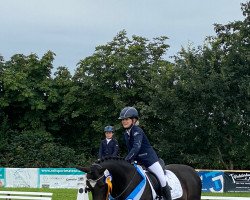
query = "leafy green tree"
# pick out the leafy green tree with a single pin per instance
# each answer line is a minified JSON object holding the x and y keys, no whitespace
{"x":3,"y":118}
{"x":25,"y":82}
{"x":116,"y":75}
{"x":32,"y":103}
{"x":233,"y":44}
{"x":37,"y":149}
{"x":210,"y":120}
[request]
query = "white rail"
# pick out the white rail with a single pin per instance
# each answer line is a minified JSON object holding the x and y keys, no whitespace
{"x":25,"y":195}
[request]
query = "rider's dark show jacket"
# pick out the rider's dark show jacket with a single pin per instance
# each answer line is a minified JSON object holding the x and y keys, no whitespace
{"x":108,"y":149}
{"x":139,"y":147}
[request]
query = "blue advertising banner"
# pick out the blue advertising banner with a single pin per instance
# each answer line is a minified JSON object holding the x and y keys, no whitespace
{"x":212,"y":181}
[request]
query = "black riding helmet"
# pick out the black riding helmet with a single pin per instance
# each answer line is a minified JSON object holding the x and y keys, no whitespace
{"x":108,"y":129}
{"x":128,"y":112}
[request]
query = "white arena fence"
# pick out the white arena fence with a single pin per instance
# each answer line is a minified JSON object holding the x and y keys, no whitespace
{"x":25,"y":195}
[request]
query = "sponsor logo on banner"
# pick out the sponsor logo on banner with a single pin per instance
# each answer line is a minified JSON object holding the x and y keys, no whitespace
{"x":237,"y":181}
{"x":21,"y":177}
{"x":212,"y":181}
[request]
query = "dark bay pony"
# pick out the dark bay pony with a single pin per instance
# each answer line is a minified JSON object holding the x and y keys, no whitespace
{"x":125,"y":178}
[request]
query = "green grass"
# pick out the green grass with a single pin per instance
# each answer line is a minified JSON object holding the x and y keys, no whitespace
{"x":58,"y":194}
{"x":71,"y":194}
{"x":228,"y":194}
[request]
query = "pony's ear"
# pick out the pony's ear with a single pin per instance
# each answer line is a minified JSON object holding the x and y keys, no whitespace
{"x":83,"y":169}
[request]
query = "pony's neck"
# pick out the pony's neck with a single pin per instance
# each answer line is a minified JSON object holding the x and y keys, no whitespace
{"x":123,"y":177}
{"x":118,"y":168}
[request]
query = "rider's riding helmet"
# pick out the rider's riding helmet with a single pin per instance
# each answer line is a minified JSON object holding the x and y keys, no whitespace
{"x":128,"y":112}
{"x":108,"y":129}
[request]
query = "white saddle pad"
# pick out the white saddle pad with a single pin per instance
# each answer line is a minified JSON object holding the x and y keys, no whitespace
{"x":175,"y":184}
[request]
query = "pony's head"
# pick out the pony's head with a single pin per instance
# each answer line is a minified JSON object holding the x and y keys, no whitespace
{"x":95,"y":181}
{"x":99,"y":178}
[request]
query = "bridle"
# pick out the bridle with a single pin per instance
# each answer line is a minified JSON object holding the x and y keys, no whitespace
{"x":92,"y":184}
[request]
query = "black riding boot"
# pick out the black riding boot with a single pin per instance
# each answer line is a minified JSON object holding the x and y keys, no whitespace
{"x":166,"y":194}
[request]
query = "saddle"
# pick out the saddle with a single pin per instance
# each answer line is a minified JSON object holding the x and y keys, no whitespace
{"x":153,"y":178}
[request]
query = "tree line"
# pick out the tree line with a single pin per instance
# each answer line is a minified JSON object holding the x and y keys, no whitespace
{"x":194,"y":109}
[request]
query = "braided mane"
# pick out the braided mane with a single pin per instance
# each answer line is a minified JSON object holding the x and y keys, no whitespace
{"x":120,"y":159}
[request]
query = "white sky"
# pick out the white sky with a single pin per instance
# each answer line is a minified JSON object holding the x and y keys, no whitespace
{"x":73,"y":28}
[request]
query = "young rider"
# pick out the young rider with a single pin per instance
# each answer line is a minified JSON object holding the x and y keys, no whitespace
{"x":140,"y":149}
{"x":109,"y":146}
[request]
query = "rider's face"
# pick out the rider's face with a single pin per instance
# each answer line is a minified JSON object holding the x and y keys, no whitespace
{"x":127,"y":122}
{"x":109,"y":134}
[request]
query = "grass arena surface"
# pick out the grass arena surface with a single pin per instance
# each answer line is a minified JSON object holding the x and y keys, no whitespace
{"x":71,"y":194}
{"x":58,"y":194}
{"x":228,"y":194}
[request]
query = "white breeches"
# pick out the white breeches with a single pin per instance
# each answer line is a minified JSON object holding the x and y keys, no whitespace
{"x":158,"y":171}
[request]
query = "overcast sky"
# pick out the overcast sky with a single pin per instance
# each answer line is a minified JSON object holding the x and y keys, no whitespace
{"x":73,"y":28}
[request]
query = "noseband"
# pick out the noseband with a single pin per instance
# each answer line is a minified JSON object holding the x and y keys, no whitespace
{"x":93,"y":182}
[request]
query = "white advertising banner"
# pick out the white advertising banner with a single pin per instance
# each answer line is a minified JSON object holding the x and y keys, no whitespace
{"x":42,"y":177}
{"x":21,"y":177}
{"x":60,"y":178}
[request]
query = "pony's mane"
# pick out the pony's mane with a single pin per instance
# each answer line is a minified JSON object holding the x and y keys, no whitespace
{"x":119,"y":159}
